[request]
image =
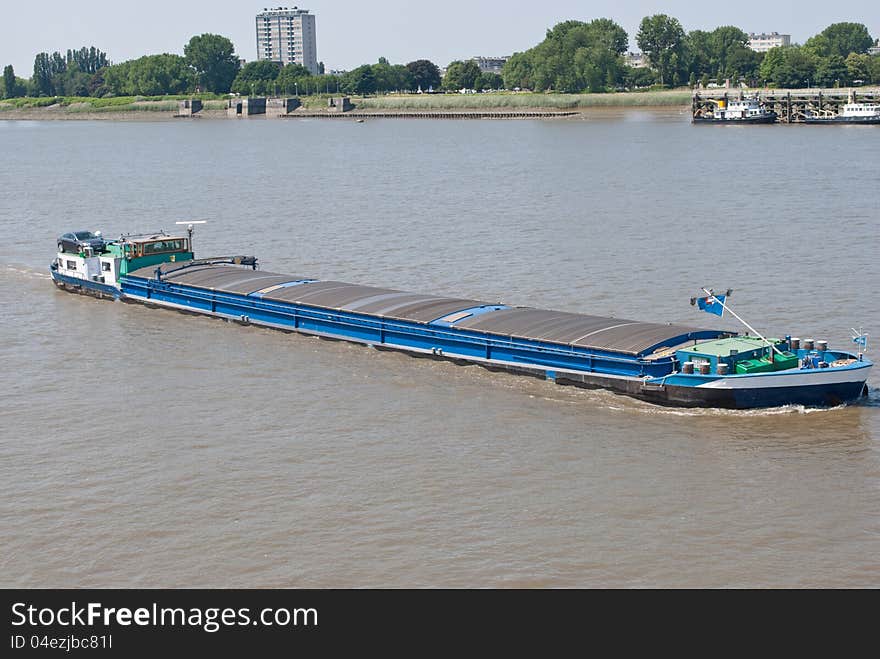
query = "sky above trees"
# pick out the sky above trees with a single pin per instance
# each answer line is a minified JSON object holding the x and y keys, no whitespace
{"x":352,"y":32}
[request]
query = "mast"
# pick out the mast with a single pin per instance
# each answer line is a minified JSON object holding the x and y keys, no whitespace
{"x":708,"y":291}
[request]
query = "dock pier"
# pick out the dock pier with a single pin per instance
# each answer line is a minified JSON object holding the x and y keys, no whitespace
{"x":433,"y":114}
{"x":791,"y":106}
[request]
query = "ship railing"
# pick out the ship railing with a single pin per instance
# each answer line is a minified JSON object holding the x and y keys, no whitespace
{"x":249,"y":261}
{"x":589,"y":355}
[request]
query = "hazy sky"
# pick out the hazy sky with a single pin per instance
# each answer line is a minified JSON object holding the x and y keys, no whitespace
{"x":351,"y":33}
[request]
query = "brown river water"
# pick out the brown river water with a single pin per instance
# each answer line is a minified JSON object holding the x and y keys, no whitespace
{"x":143,"y":447}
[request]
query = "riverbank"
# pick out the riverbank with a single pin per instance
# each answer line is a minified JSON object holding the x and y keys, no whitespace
{"x":133,"y":109}
{"x":502,"y":104}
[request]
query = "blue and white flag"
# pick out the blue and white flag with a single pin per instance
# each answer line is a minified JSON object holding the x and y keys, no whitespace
{"x":862,"y":340}
{"x":712,"y":304}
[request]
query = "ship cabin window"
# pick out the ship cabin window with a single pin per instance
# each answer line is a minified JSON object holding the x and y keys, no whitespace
{"x":164,"y":246}
{"x":71,"y":265}
{"x":105,"y":266}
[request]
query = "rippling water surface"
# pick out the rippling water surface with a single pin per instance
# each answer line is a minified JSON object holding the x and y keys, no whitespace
{"x":149,"y":448}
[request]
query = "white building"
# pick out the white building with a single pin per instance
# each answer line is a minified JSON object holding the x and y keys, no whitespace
{"x":491,"y":64}
{"x":287,"y":36}
{"x":875,"y":49}
{"x":761,"y":43}
{"x":635,"y":60}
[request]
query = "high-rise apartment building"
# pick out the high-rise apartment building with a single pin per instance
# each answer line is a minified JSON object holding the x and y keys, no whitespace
{"x":287,"y":36}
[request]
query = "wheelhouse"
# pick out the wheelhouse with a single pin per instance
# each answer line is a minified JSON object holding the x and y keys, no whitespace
{"x":137,"y":252}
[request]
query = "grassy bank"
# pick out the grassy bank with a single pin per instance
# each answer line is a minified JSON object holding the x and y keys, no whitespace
{"x":85,"y":104}
{"x":517,"y":101}
{"x":390,"y":102}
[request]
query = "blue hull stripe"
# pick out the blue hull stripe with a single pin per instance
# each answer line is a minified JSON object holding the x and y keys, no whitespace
{"x":376,"y":330}
{"x":105,"y":289}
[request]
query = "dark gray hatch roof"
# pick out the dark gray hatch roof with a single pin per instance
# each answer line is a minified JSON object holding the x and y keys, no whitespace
{"x":219,"y":277}
{"x":385,"y":302}
{"x":615,"y":334}
{"x":559,"y":327}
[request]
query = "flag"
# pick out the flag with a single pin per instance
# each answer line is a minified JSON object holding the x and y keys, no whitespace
{"x":862,"y":340}
{"x":712,"y":304}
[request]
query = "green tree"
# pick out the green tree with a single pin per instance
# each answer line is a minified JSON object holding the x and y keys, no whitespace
{"x":45,"y":67}
{"x":97,"y":84}
{"x":10,"y":83}
{"x":87,"y":59}
{"x":461,"y":75}
{"x":151,"y":75}
{"x":213,"y":57}
{"x":874,"y":69}
{"x":858,"y":67}
{"x":490,"y":81}
{"x":818,"y":46}
{"x":256,"y":77}
{"x":724,"y":52}
{"x":361,"y":80}
{"x":661,"y":38}
{"x":641,"y":77}
{"x":517,"y":71}
{"x":831,"y":71}
{"x":291,"y":79}
{"x":574,"y":57}
{"x":774,"y":60}
{"x":391,"y":77}
{"x":846,"y":38}
{"x":73,"y":82}
{"x":798,"y":68}
{"x":725,"y":43}
{"x":745,"y":63}
{"x":425,"y":74}
{"x":698,"y":52}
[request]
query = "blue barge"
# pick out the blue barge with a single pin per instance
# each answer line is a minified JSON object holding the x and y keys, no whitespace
{"x":661,"y":363}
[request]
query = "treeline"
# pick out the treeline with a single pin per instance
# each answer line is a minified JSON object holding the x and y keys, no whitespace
{"x":580,"y":57}
{"x":836,"y":56}
{"x":269,"y":78}
{"x":574,"y":57}
{"x":265,"y":77}
{"x":209,"y":64}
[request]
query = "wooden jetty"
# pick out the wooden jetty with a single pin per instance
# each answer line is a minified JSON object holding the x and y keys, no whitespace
{"x":791,"y":106}
{"x":429,"y":115}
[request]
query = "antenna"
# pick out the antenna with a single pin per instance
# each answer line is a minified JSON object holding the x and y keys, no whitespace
{"x":189,"y":232}
{"x":711,"y":294}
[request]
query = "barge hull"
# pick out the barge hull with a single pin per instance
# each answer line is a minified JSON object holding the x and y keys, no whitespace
{"x":642,"y":376}
{"x":858,"y":121}
{"x":748,"y":120}
{"x":85,"y":286}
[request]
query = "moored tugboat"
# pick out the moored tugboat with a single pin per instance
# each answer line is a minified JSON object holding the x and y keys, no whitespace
{"x":657,"y":362}
{"x":852,"y":112}
{"x":739,"y":111}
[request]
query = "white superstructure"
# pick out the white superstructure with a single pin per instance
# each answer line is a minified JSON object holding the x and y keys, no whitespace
{"x":868,"y":110}
{"x":739,"y":109}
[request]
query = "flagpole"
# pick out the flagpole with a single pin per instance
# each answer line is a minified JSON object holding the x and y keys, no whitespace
{"x":735,"y":315}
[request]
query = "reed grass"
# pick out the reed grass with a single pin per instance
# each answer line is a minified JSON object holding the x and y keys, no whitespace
{"x":523,"y":101}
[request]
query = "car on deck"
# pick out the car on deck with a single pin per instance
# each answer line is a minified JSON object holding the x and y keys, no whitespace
{"x":74,"y":241}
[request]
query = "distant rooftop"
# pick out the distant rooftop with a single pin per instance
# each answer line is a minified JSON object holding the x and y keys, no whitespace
{"x":283,"y":10}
